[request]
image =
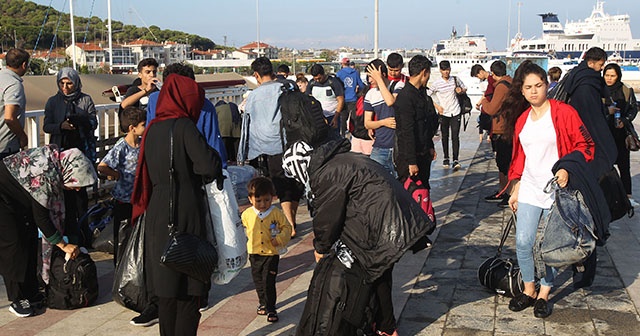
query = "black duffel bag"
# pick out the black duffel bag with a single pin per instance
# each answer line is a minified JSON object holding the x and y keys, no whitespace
{"x":502,"y":275}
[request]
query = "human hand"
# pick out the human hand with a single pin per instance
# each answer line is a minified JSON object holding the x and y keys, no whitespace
{"x":371,"y":134}
{"x":612,"y":109}
{"x":440,"y":109}
{"x":318,"y":256}
{"x":513,"y":202}
{"x":72,"y":250}
{"x":24,"y":141}
{"x":413,"y":170}
{"x":335,"y":120}
{"x":434,"y":154}
{"x":390,"y":122}
{"x":458,"y":90}
{"x":67,"y":125}
{"x":563,"y":177}
{"x":274,"y":242}
{"x":375,"y":73}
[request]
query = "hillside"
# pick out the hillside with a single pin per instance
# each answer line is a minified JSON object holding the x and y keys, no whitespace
{"x":23,"y":19}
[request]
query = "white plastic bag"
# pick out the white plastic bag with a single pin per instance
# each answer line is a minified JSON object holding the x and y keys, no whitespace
{"x":230,"y":237}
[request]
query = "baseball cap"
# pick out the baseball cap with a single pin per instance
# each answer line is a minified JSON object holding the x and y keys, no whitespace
{"x":345,"y":60}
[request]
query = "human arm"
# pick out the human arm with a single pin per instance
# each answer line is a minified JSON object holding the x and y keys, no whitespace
{"x":283,"y":238}
{"x":579,"y":137}
{"x":11,"y":113}
{"x":206,"y":161}
{"x":632,"y":106}
{"x":513,"y":199}
{"x":405,"y":120}
{"x":330,"y":203}
{"x":369,"y":123}
{"x":336,"y":119}
{"x":42,"y":219}
{"x":383,"y":83}
{"x":499,"y":94}
{"x":460,"y":88}
{"x":51,"y":124}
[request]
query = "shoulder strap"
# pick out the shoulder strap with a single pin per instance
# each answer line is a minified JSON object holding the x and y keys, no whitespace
{"x":505,"y":232}
{"x":171,"y":182}
{"x":505,"y":83}
{"x":393,"y":86}
{"x":456,"y":80}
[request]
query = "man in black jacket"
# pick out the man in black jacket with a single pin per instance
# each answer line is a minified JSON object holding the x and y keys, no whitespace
{"x":416,"y":124}
{"x":586,"y":89}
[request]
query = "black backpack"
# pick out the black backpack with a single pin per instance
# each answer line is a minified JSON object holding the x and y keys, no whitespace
{"x":559,"y":92}
{"x":301,"y":118}
{"x":72,"y":284}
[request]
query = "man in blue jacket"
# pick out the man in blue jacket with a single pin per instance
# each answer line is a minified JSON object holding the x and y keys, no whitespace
{"x":352,"y":82}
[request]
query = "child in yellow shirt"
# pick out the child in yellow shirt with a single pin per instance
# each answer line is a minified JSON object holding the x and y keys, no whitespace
{"x":267,"y":231}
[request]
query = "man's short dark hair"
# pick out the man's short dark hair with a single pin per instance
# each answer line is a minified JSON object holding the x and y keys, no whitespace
{"x":394,"y":60}
{"x":498,"y":68}
{"x":16,"y":57}
{"x":147,"y":62}
{"x":178,"y":68}
{"x":316,"y":69}
{"x":475,"y":70}
{"x":444,"y":65}
{"x":262,"y":66}
{"x":595,"y":54}
{"x":131,"y":116}
{"x":260,"y":186}
{"x":555,"y":73}
{"x":283,"y":68}
{"x":417,"y":64}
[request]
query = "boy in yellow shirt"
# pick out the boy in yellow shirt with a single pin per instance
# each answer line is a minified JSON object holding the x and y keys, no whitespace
{"x":267,"y":231}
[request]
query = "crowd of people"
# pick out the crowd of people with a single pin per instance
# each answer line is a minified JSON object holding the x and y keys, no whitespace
{"x":379,"y":133}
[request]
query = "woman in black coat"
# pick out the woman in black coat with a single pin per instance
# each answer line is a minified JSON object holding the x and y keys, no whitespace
{"x":195,"y":164}
{"x":626,"y":105}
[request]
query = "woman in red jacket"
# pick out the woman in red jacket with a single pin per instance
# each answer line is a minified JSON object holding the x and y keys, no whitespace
{"x":543,"y":131}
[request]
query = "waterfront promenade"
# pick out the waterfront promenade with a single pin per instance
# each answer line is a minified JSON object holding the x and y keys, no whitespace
{"x":436,"y":291}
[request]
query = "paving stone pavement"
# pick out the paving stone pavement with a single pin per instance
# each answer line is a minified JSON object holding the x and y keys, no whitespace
{"x":436,"y":291}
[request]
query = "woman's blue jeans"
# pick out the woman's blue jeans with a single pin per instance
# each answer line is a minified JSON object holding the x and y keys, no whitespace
{"x":384,"y":156}
{"x":526,"y":228}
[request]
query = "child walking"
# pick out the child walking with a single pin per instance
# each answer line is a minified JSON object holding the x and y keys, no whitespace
{"x":268,"y":231}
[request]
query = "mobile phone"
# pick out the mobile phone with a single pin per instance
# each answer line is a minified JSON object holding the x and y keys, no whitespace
{"x":116,"y":94}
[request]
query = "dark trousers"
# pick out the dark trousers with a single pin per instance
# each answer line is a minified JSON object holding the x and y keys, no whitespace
{"x":28,"y":288}
{"x":179,"y":316}
{"x":452,"y":123}
{"x":76,"y":204}
{"x":349,"y":110}
{"x":264,"y":270}
{"x":231,"y":145}
{"x":623,"y":161}
{"x":385,"y":319}
{"x":121,"y":216}
{"x":424,"y":169}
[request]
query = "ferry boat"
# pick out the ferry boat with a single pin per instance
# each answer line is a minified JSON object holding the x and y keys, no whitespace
{"x":609,"y":32}
{"x":463,"y":51}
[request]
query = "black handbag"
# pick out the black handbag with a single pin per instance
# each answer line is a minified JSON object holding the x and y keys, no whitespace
{"x":465,"y":105}
{"x":502,"y":275}
{"x":187,"y":253}
{"x":631,"y":141}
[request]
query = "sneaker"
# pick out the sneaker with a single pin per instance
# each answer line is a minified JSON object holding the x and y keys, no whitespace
{"x":504,"y":203}
{"x":147,"y":318}
{"x":633,"y":202}
{"x":445,"y":163}
{"x":493,"y":197}
{"x":456,"y":165}
{"x":21,"y":308}
{"x":204,"y":306}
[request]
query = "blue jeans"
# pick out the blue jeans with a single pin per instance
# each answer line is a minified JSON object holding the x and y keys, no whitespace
{"x":526,"y":229}
{"x":384,"y":156}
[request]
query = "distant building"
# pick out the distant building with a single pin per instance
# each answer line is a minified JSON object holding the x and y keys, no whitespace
{"x":262,"y":49}
{"x":142,"y":49}
{"x":244,"y":55}
{"x":215,"y":54}
{"x":50,"y":57}
{"x":123,"y":59}
{"x":87,"y":54}
{"x":175,"y":52}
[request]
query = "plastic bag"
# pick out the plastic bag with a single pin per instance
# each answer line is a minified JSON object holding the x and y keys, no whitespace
{"x":229,"y":233}
{"x":240,"y":176}
{"x":129,"y":284}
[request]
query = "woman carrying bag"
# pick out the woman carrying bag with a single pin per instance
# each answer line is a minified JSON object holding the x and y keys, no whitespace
{"x":542,"y":131}
{"x":195,"y":163}
{"x":624,"y":106}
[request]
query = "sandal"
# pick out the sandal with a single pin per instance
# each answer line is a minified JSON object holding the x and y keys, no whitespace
{"x":272,"y":317}
{"x":262,"y":310}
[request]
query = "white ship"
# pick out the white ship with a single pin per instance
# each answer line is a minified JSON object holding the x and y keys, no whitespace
{"x":609,"y":32}
{"x":463,"y":51}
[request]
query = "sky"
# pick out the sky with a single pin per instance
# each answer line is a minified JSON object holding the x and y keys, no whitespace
{"x":303,"y":24}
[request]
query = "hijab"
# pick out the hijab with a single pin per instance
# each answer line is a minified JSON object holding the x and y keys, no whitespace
{"x":180,"y":97}
{"x":72,"y":75}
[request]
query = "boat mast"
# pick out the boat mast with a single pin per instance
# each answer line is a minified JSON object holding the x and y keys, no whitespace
{"x":509,"y":26}
{"x":375,"y":31}
{"x":110,"y":36}
{"x":73,"y":35}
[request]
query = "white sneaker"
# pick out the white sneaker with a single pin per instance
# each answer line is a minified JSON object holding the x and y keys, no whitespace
{"x":633,"y":202}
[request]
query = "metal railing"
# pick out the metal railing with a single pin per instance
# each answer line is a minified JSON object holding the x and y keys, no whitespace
{"x":108,"y":122}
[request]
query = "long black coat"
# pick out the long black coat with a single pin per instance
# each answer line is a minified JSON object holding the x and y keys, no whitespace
{"x":195,"y":163}
{"x":358,"y":201}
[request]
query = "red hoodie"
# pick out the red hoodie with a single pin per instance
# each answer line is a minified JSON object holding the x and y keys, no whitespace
{"x":571,"y":134}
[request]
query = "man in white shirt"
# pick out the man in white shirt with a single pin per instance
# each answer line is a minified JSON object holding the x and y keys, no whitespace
{"x":445,"y":90}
